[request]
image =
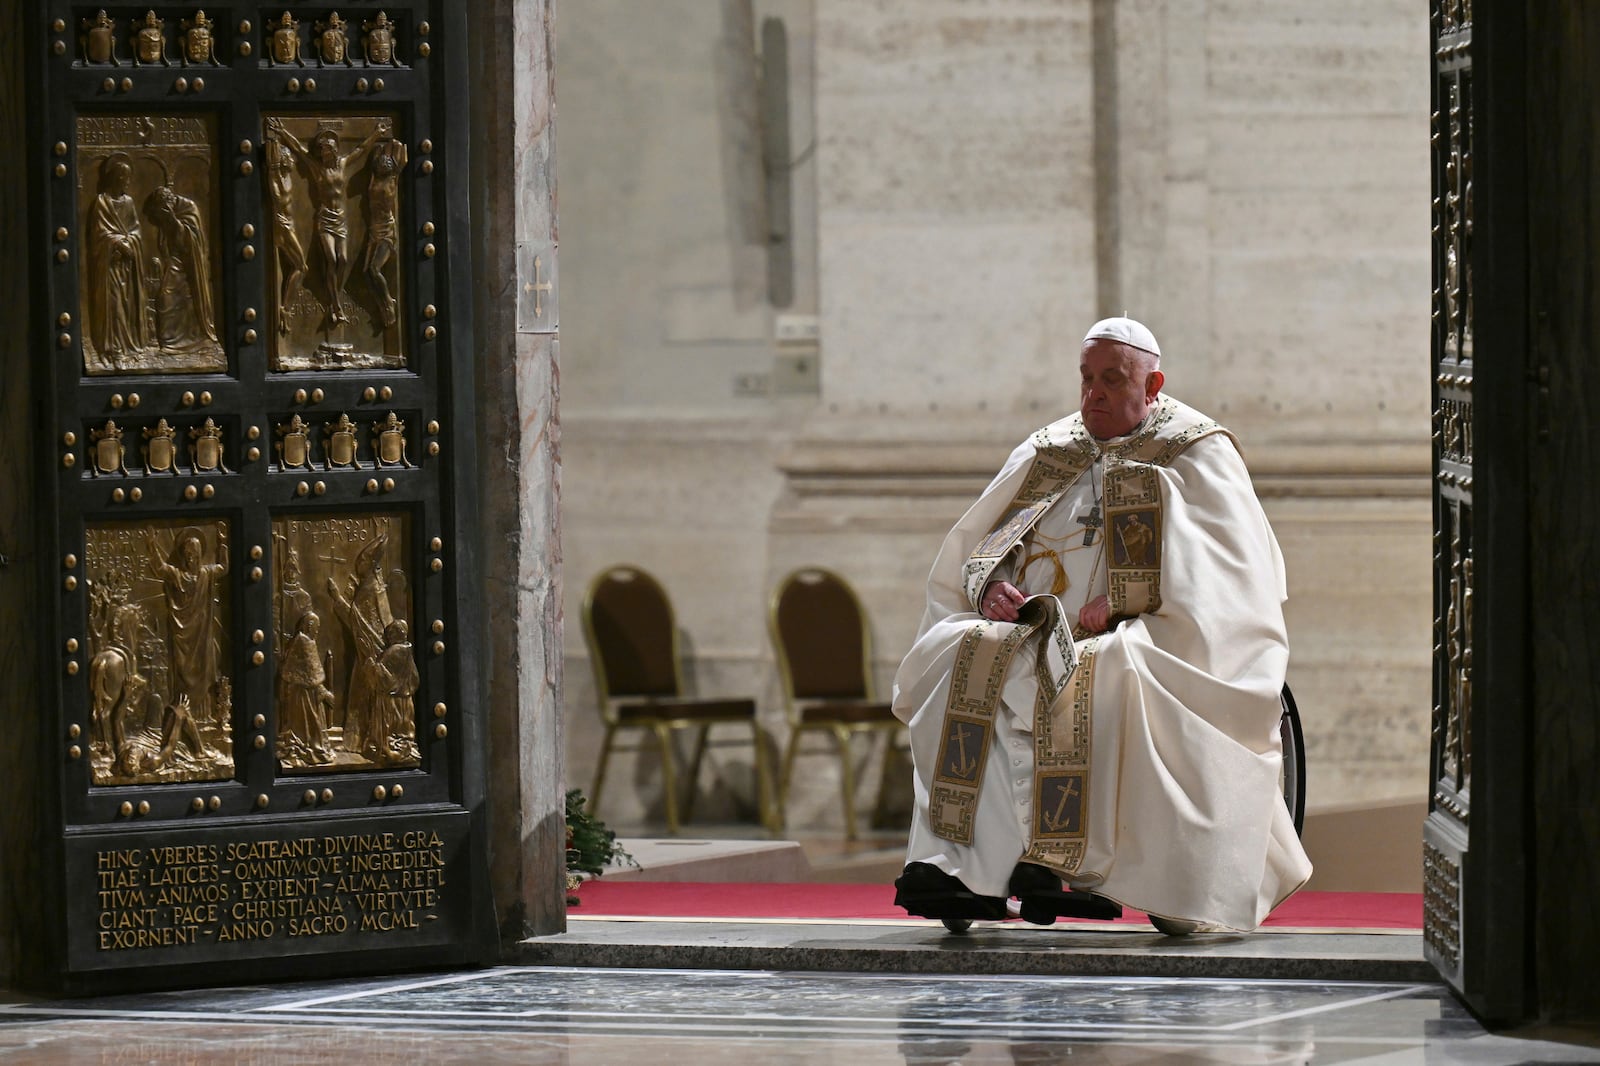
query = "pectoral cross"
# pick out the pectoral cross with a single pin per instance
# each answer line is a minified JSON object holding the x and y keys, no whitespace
{"x":1091,"y":522}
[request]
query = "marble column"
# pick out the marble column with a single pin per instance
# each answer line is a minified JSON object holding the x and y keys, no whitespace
{"x":519,"y":447}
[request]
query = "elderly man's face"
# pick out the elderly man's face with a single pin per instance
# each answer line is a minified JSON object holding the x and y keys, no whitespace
{"x":1119,"y":385}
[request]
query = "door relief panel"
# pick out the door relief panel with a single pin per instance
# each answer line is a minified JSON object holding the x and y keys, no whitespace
{"x":147,"y":210}
{"x":347,"y":671}
{"x":160,"y":690}
{"x":333,"y":191}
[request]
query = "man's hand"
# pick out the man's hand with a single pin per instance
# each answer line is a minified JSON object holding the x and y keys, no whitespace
{"x":1000,"y":601}
{"x":1096,"y":615}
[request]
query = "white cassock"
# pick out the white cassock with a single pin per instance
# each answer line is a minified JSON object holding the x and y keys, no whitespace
{"x":1174,"y":713}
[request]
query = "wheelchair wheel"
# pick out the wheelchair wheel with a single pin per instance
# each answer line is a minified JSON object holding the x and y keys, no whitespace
{"x":958,"y":926}
{"x":1294,"y":760}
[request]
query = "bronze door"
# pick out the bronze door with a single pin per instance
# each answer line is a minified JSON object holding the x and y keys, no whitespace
{"x":1474,"y":839}
{"x":256,"y":335}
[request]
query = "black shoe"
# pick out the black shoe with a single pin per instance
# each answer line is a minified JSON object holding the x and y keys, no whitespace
{"x":1030,"y":878}
{"x":925,"y":891}
{"x":1044,"y":899}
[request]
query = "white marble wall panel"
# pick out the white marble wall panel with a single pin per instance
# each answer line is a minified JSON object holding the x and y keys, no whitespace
{"x":1360,"y":622}
{"x":1276,"y":214}
{"x":955,"y":198}
{"x":664,"y":291}
{"x":688,"y":501}
{"x":931,"y":317}
{"x":1317,"y":118}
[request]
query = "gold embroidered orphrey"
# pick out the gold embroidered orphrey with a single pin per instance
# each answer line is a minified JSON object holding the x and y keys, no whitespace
{"x":1063,"y":710}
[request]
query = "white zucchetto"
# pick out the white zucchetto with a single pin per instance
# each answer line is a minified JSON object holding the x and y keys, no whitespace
{"x":1125,"y":331}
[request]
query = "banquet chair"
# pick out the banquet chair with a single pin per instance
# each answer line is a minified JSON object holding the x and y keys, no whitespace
{"x":632,"y":636}
{"x":824,"y":651}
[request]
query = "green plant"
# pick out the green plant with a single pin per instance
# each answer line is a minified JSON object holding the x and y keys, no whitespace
{"x":591,"y":847}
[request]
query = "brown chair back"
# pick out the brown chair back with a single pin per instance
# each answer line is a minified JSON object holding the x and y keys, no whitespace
{"x":632,"y":635}
{"x":819,"y":629}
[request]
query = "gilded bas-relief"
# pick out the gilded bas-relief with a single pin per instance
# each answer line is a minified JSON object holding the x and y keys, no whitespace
{"x":150,"y":41}
{"x":109,"y":455}
{"x":199,"y":41}
{"x":339,"y":444}
{"x":99,"y":39}
{"x":1453,"y":213}
{"x":162,"y":448}
{"x":347,"y":673}
{"x":333,"y":189}
{"x":147,"y":207}
{"x":380,"y":41}
{"x":333,"y":43}
{"x":160,"y":697}
{"x":283,"y":45}
{"x":1456,"y":754}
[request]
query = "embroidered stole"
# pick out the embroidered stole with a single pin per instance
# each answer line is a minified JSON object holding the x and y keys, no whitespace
{"x":1062,"y":712}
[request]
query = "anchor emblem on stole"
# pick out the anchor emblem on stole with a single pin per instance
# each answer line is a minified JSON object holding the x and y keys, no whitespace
{"x":1063,"y":821}
{"x":961,"y":765}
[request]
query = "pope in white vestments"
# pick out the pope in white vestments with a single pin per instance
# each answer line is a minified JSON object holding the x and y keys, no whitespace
{"x":1093,"y":696}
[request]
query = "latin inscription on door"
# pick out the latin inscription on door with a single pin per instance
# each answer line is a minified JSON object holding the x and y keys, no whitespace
{"x":216,"y":891}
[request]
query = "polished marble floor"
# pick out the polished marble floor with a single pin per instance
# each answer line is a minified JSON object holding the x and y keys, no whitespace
{"x":608,"y":1017}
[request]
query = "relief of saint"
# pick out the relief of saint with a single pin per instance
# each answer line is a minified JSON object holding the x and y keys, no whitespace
{"x":394,"y":718}
{"x":364,"y":610}
{"x":383,"y":205}
{"x":304,"y":699}
{"x":148,"y":280}
{"x":160,"y":706}
{"x":119,"y":315}
{"x":185,"y":319}
{"x":190,"y":581}
{"x":346,"y":686}
{"x":291,"y":256}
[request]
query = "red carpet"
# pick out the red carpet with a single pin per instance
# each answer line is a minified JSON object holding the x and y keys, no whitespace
{"x":675,"y":899}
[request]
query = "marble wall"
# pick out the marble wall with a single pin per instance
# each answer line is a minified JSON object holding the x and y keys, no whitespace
{"x":1249,"y":176}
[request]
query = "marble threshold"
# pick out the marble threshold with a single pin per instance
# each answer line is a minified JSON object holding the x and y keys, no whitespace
{"x":918,"y":946}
